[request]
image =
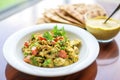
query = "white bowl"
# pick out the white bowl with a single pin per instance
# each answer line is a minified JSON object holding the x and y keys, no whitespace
{"x":13,"y":54}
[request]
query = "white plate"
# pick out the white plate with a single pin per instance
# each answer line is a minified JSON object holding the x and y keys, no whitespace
{"x":13,"y":53}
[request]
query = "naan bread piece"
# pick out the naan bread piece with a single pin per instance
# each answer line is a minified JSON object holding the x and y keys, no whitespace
{"x":78,"y":25}
{"x":71,"y":10}
{"x":48,"y":20}
{"x":53,"y":16}
{"x":91,"y":7}
{"x":66,"y":16}
{"x":95,"y":10}
{"x":79,"y":10}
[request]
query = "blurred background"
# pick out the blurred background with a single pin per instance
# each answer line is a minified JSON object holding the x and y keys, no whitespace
{"x":10,"y":7}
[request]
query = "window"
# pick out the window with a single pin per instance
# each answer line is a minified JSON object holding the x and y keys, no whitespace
{"x":9,"y":7}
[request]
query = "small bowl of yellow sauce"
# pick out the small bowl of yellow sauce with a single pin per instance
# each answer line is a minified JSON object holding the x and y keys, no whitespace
{"x":104,"y":32}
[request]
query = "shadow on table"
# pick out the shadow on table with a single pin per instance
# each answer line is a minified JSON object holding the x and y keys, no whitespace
{"x":87,"y":74}
{"x":109,"y":53}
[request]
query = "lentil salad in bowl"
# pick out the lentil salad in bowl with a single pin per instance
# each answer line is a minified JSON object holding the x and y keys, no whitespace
{"x":51,"y":49}
{"x":14,"y":52}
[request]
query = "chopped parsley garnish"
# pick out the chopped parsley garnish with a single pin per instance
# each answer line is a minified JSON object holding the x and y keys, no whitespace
{"x":48,"y":36}
{"x":34,"y":61}
{"x":47,"y":62}
{"x":59,"y":32}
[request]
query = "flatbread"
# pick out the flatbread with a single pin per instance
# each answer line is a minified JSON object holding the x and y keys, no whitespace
{"x":71,"y":10}
{"x":48,"y":20}
{"x":53,"y":16}
{"x":79,"y":10}
{"x":72,"y":14}
{"x":95,"y":10}
{"x":66,"y":16}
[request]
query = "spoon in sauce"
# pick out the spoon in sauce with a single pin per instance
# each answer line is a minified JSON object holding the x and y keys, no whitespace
{"x":118,"y":7}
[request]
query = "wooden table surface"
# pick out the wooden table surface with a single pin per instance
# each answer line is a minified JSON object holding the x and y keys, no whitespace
{"x":105,"y":67}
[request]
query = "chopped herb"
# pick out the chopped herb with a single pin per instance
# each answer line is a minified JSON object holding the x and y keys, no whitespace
{"x":25,"y":54}
{"x":63,"y":31}
{"x":62,"y":43}
{"x":63,"y":48}
{"x":48,"y":36}
{"x":59,"y":32}
{"x":34,"y":61}
{"x":34,"y":44}
{"x":32,"y":36}
{"x":56,"y":32}
{"x":47,"y":62}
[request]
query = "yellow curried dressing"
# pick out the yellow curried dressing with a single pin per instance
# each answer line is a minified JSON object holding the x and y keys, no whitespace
{"x":103,"y":31}
{"x":100,"y":23}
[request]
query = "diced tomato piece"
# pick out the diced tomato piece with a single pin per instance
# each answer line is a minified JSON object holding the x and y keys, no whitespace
{"x":55,"y":39}
{"x":62,"y":54}
{"x":34,"y":51}
{"x":41,"y":38}
{"x":27,"y":59}
{"x":26,"y":44}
